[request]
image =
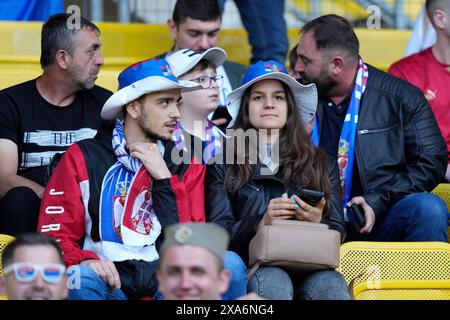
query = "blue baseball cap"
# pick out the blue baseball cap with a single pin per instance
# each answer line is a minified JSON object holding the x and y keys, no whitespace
{"x":143,"y":77}
{"x":305,"y":96}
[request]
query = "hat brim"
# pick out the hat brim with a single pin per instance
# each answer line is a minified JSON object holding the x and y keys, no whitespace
{"x":112,"y":109}
{"x":181,"y":65}
{"x":305,"y":96}
{"x":215,"y":55}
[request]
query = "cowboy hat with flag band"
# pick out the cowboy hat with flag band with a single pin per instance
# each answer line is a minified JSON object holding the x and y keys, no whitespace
{"x":305,"y":96}
{"x":184,"y":60}
{"x":141,"y":78}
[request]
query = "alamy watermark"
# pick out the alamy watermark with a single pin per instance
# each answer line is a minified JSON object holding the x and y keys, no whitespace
{"x":74,"y":21}
{"x":374,"y":19}
{"x":74,"y":277}
{"x":374,"y":278}
{"x":242,"y":146}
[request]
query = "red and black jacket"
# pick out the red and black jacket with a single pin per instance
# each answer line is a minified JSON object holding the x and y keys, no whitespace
{"x":70,"y":205}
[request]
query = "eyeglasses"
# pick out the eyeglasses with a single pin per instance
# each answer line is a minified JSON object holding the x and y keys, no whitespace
{"x":206,"y":81}
{"x":27,"y":272}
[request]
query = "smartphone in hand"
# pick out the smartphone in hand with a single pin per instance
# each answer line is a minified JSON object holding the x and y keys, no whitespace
{"x":311,"y":197}
{"x":358,"y":212}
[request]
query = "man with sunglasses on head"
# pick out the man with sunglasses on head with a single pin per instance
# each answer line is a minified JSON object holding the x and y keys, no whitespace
{"x":33,"y":269}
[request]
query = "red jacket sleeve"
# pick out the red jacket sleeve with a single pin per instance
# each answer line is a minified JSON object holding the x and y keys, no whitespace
{"x":180,"y":199}
{"x":62,"y":212}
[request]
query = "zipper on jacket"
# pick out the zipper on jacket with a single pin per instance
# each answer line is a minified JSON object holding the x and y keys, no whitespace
{"x":253,"y":187}
{"x":362,"y":177}
{"x":366,"y":131}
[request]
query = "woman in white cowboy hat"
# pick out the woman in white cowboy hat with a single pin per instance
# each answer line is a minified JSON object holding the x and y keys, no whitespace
{"x":245,"y":192}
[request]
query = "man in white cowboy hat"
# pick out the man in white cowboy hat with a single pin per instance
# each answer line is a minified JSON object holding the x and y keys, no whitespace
{"x":107,"y":203}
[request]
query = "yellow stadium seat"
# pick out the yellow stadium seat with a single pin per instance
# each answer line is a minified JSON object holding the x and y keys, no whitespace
{"x":124,"y":44}
{"x":396,"y":270}
{"x":443,"y":191}
{"x":4,"y":240}
{"x":403,"y":290}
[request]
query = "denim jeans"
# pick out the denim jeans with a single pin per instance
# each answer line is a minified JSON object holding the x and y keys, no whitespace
{"x":266,"y":27}
{"x":238,"y":287}
{"x":276,"y":284}
{"x":417,"y":217}
{"x":92,"y":287}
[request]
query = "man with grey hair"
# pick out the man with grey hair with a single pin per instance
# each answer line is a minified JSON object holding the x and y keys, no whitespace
{"x":44,"y":116}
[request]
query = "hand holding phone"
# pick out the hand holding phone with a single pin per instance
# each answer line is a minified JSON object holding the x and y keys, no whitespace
{"x":358,"y":212}
{"x":311,"y":197}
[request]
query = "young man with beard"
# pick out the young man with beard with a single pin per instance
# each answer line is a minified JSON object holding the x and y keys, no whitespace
{"x":383,"y":133}
{"x":110,"y":197}
{"x":42,"y":117}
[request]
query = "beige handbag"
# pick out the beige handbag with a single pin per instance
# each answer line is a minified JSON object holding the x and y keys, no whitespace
{"x":296,"y":246}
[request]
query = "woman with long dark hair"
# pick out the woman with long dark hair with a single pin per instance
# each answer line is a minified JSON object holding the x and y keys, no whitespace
{"x":260,"y":178}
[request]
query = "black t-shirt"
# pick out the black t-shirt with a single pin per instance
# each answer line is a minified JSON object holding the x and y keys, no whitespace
{"x":40,"y":129}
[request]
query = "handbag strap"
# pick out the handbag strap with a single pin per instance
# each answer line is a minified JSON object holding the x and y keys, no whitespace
{"x":252,"y":271}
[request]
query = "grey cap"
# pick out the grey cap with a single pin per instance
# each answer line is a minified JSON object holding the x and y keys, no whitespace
{"x":207,"y":235}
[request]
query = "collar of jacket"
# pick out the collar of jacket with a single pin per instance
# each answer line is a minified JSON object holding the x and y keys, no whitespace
{"x":260,"y":173}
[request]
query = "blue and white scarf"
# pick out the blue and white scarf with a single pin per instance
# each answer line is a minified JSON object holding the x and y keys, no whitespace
{"x":346,"y":154}
{"x":212,"y":143}
{"x":126,"y":206}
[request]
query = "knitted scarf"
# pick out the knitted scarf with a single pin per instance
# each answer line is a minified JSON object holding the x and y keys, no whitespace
{"x":126,"y":206}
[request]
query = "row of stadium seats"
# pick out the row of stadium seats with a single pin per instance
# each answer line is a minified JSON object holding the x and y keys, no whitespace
{"x":357,"y":9}
{"x":124,"y":44}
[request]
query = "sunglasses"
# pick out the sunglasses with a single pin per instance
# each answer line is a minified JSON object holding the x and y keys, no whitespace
{"x":27,"y":272}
